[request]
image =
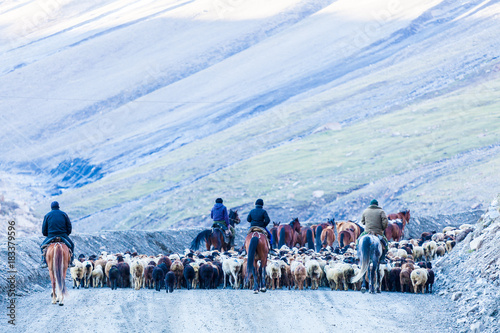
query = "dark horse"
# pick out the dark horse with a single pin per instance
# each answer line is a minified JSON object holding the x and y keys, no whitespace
{"x":287,"y":232}
{"x":257,"y":249}
{"x":369,"y":251}
{"x":214,"y":238}
{"x":319,"y":230}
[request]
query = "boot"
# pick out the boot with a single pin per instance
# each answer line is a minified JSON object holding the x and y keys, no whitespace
{"x":71,"y":264}
{"x":43,"y":262}
{"x":382,"y":258}
{"x":231,"y":243}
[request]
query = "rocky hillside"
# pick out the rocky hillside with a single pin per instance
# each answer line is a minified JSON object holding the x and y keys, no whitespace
{"x":150,"y":110}
{"x":470,"y":274}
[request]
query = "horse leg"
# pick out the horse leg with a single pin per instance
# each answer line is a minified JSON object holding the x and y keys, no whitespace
{"x":255,"y":275}
{"x":378,"y":283}
{"x":53,"y":280}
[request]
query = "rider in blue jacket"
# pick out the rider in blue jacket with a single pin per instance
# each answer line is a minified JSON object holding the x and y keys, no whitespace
{"x":57,"y":224}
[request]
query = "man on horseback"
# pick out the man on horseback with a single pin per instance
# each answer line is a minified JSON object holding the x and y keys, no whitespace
{"x":56,"y":224}
{"x":221,"y":220}
{"x":258,"y":217}
{"x":375,"y":221}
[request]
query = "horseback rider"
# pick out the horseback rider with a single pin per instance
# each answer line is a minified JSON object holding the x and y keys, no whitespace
{"x":56,"y":224}
{"x":258,"y":217}
{"x":375,"y":221}
{"x":221,"y":219}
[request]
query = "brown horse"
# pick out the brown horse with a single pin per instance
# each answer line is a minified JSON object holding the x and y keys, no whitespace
{"x":394,"y":231}
{"x":319,"y":230}
{"x":257,"y":249}
{"x":328,"y":236}
{"x":274,"y":233}
{"x":403,"y":215}
{"x":214,"y":238}
{"x":346,"y":237}
{"x":287,"y":234}
{"x":344,"y":225}
{"x":307,"y":237}
{"x":58,"y":261}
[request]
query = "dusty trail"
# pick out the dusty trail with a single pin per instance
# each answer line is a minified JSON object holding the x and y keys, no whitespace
{"x":127,"y":310}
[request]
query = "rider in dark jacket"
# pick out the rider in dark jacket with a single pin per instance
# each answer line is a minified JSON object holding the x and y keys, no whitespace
{"x":57,"y":224}
{"x":258,"y":217}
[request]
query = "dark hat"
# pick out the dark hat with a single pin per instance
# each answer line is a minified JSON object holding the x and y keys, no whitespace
{"x":374,"y":202}
{"x":218,"y":200}
{"x":54,"y":205}
{"x":259,"y":202}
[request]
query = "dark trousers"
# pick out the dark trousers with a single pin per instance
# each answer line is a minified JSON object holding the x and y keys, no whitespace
{"x":64,"y":238}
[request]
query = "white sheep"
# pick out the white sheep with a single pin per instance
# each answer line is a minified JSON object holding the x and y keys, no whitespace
{"x":88,"y":267}
{"x":418,"y":253}
{"x":76,"y":273}
{"x":231,"y":268}
{"x":430,"y":250}
{"x":273,"y":273}
{"x":313,"y":270}
{"x":97,"y":276}
{"x":137,"y":272}
{"x":419,"y":278}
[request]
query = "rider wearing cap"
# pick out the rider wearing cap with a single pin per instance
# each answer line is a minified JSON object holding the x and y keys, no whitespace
{"x":375,"y":221}
{"x":57,"y":224}
{"x":221,"y":218}
{"x":258,"y":217}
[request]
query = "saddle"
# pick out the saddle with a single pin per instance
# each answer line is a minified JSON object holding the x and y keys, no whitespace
{"x":217,"y":226}
{"x":56,"y":240}
{"x":261,"y":231}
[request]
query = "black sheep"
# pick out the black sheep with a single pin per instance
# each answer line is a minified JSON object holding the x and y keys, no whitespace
{"x":165,"y":269}
{"x":124,"y":280}
{"x":170,"y":279}
{"x":158,"y":277}
{"x":394,"y":280}
{"x":215,"y":277}
{"x":114,"y":275}
{"x":206,"y":272}
{"x":189,"y":275}
{"x":430,"y":281}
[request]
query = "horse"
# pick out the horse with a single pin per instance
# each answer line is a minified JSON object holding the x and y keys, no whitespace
{"x":346,"y":237}
{"x":403,"y":215}
{"x":344,"y":225}
{"x":58,"y":261}
{"x":369,"y":251}
{"x":214,"y":238}
{"x":274,"y":233}
{"x":307,"y":237}
{"x":319,"y":230}
{"x":394,"y":231}
{"x":257,"y":249}
{"x":328,"y":236}
{"x":286,"y":233}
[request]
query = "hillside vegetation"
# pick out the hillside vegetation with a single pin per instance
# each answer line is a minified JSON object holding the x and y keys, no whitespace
{"x":137,"y":114}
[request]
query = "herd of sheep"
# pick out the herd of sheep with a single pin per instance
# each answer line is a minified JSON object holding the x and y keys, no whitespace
{"x":407,"y":268}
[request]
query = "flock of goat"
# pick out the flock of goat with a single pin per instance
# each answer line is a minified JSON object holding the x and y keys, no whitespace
{"x":407,"y":268}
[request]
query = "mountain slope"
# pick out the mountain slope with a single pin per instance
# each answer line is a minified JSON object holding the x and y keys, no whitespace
{"x":138,"y":114}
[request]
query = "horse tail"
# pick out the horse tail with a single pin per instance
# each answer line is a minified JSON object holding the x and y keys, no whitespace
{"x":364,"y":258}
{"x":309,"y":238}
{"x":341,"y":239}
{"x":252,"y":249}
{"x":58,"y":267}
{"x":319,"y":230}
{"x":202,"y":236}
{"x":275,"y":237}
{"x":282,"y":237}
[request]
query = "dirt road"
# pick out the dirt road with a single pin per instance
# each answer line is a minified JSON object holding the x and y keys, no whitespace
{"x":126,"y":310}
